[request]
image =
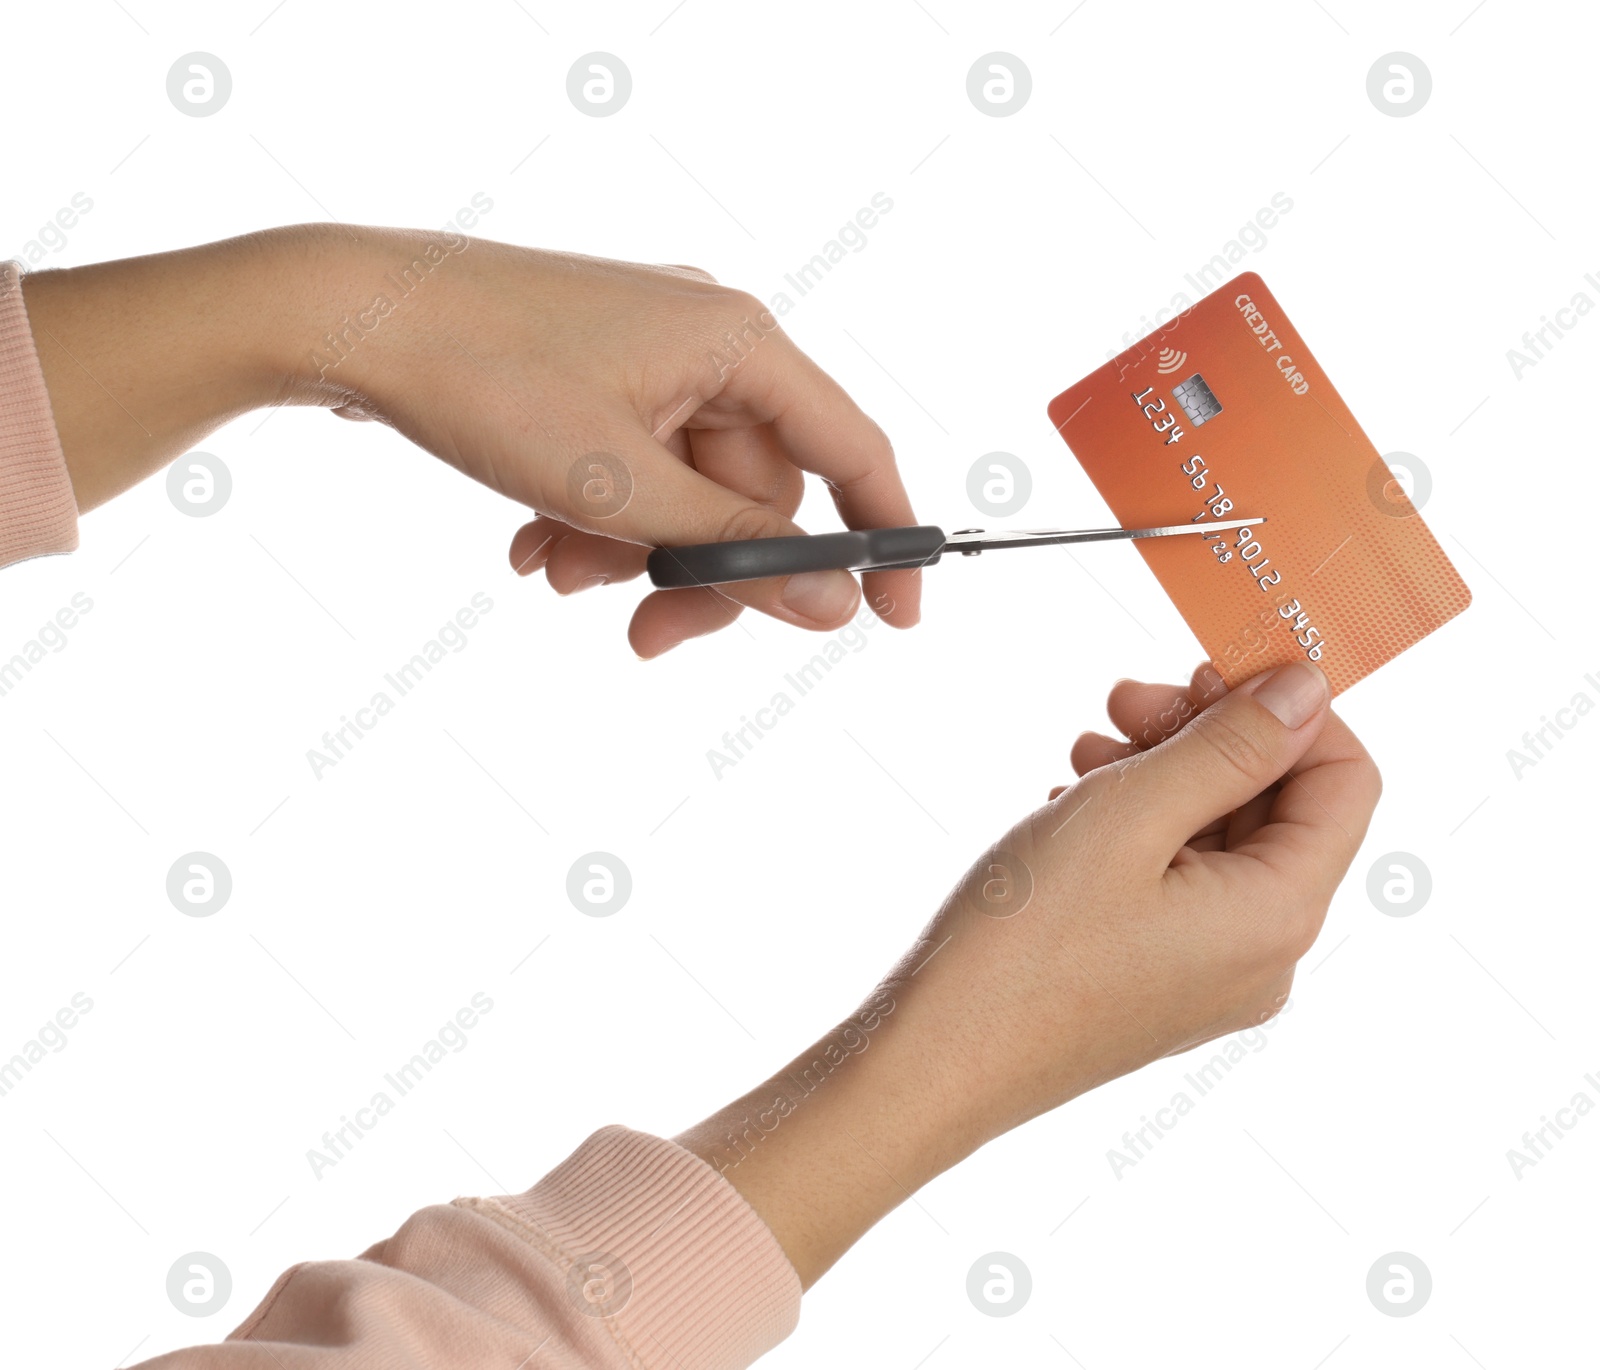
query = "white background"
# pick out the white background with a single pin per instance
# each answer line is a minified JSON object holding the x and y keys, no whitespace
{"x":369,"y":905}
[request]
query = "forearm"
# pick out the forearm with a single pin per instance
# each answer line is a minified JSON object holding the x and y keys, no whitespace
{"x":848,"y":1131}
{"x":144,"y":357}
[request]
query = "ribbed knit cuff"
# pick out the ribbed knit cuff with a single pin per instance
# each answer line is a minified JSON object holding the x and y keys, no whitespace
{"x":38,"y":514}
{"x":662,"y":1247}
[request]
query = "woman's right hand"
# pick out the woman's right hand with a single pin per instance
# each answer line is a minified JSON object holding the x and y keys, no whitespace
{"x":631,"y":406}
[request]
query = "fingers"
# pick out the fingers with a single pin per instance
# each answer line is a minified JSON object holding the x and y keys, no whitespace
{"x":532,"y":543}
{"x":1094,"y":750}
{"x":1148,"y":714}
{"x":747,"y":461}
{"x":573,"y":560}
{"x":822,"y":430}
{"x":1226,"y":756}
{"x":579,"y":561}
{"x":670,"y":504}
{"x":665,"y":618}
{"x":1244,"y":822}
{"x":1320,"y":814}
{"x":751,"y":462}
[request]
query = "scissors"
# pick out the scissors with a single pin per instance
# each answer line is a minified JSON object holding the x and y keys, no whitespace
{"x":874,"y":549}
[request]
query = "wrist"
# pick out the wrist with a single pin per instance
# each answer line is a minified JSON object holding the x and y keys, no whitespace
{"x":846,"y":1132}
{"x":360,"y":295}
{"x":307,"y":270}
{"x":143,"y":357}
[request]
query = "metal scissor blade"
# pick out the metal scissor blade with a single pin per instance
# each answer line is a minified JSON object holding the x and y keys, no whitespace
{"x":971,"y":541}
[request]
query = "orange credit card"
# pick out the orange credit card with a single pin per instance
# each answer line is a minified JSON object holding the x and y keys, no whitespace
{"x":1223,"y":413}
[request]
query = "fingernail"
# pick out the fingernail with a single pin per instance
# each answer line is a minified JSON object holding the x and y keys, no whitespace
{"x":1292,"y":694}
{"x":589,"y":584}
{"x":821,"y":596}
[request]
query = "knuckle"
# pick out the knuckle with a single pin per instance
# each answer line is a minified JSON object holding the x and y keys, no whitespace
{"x":1374,"y":779}
{"x":1275,"y":932}
{"x":1100,"y":808}
{"x":730,"y":302}
{"x":1099,"y":787}
{"x":1276,"y":1001}
{"x":1297,"y":936}
{"x":753,"y":311}
{"x":750,"y":521}
{"x":877,"y":442}
{"x":1238,"y":746}
{"x":699,"y":273}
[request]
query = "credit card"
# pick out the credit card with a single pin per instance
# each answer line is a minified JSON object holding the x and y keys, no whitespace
{"x":1223,"y":413}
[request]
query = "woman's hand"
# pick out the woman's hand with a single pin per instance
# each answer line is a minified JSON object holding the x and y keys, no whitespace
{"x":1161,"y":901}
{"x":632,"y":406}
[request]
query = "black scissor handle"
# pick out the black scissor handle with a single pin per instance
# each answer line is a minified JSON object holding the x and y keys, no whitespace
{"x":869,"y":549}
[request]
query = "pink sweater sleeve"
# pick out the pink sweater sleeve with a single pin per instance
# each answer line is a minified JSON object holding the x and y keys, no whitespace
{"x":631,"y":1253}
{"x":38,"y":514}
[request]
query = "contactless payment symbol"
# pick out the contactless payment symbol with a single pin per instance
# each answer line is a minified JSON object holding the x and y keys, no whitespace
{"x":1169,"y":361}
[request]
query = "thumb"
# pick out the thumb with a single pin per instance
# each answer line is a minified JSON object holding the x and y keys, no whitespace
{"x":1227,"y":754}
